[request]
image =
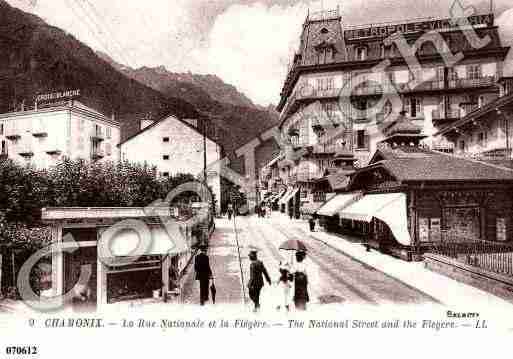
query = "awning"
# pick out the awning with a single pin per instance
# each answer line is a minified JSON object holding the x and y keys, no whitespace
{"x":289,"y":196}
{"x":282,"y":200}
{"x":277,"y":196}
{"x":389,"y":208}
{"x":337,"y":203}
{"x":144,"y":240}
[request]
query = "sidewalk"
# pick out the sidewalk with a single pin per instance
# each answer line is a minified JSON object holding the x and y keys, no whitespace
{"x":225,"y":266}
{"x":446,"y":290}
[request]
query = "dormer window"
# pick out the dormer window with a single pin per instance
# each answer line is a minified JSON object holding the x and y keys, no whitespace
{"x":325,"y":53}
{"x":361,"y":53}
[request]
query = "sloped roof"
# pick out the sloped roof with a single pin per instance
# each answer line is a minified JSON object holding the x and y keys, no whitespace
{"x":158,"y":122}
{"x":437,"y":166}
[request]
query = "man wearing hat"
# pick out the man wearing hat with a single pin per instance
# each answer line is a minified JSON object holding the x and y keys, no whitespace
{"x":203,"y":273}
{"x":257,"y":272}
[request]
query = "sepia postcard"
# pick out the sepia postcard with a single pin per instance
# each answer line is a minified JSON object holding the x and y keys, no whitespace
{"x":253,"y":178}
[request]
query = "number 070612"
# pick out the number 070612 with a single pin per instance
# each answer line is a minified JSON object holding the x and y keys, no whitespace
{"x":21,"y":350}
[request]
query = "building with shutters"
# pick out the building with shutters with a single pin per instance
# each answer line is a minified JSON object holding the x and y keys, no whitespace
{"x":42,"y":137}
{"x":174,"y":146}
{"x":340,"y":93}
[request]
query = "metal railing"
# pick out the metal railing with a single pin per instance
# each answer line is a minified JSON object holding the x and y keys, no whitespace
{"x":478,"y":82}
{"x":495,"y":257}
{"x":448,"y":114}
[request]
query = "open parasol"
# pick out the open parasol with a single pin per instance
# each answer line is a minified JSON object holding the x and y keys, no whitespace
{"x":293,"y":245}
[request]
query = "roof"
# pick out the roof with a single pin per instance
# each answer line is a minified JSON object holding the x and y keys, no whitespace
{"x":403,"y":125}
{"x":156,"y":123}
{"x":438,"y":166}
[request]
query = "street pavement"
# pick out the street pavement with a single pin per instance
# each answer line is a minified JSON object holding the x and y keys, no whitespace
{"x":334,"y":277}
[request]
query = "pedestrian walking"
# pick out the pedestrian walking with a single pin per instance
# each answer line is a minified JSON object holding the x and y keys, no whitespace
{"x":311,"y":222}
{"x":230,"y":211}
{"x":285,"y":287}
{"x":301,"y":296}
{"x":203,"y":273}
{"x":257,"y":272}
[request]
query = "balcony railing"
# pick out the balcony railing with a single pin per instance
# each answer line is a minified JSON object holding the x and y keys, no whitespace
{"x":97,"y":135}
{"x":97,"y":154}
{"x":39,"y":131}
{"x":26,"y":151}
{"x":452,"y":114}
{"x":472,"y":83}
{"x":13,"y":134}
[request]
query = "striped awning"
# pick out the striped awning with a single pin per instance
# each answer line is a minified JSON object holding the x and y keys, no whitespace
{"x":337,"y":203}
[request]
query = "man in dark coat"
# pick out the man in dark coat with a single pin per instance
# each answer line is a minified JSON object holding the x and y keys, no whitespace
{"x":257,"y":272}
{"x":203,"y":273}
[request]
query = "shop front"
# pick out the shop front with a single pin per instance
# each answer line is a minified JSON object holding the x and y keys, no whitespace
{"x":111,"y":252}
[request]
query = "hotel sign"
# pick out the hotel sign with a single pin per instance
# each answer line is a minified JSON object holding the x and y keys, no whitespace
{"x":58,"y":96}
{"x":423,"y":26}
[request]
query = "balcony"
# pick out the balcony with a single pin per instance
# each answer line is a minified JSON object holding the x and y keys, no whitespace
{"x":26,"y":151}
{"x":97,"y":154}
{"x":13,"y":134}
{"x":307,"y":92}
{"x":486,"y":81}
{"x":39,"y":131}
{"x":424,"y":86}
{"x":445,"y":116}
{"x":97,"y":135}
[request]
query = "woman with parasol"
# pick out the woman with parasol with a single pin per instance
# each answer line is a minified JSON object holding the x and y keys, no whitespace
{"x":299,"y":273}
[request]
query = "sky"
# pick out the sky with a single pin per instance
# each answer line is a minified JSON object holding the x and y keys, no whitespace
{"x":247,"y":43}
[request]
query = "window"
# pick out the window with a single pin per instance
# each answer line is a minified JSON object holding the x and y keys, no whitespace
{"x":108,"y":149}
{"x":462,"y":145}
{"x":361,"y":53}
{"x":4,"y":148}
{"x":165,"y":157}
{"x":165,"y":139}
{"x":108,"y":131}
{"x":361,"y":139}
{"x":413,"y":106}
{"x":387,"y":108}
{"x":330,"y":109}
{"x":481,"y":138}
{"x":481,"y":101}
{"x":382,"y":52}
{"x":1,"y":128}
{"x":165,"y":174}
{"x":473,"y":72}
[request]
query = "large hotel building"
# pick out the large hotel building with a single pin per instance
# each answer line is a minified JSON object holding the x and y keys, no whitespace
{"x":332,"y":58}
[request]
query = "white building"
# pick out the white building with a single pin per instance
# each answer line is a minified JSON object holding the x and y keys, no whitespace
{"x":173,"y":146}
{"x":44,"y":136}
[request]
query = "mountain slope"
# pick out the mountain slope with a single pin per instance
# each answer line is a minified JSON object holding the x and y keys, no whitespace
{"x":39,"y":58}
{"x":42,"y":58}
{"x":234,"y":115}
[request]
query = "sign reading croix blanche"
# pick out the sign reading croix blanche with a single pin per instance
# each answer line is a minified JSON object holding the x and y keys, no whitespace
{"x":68,"y":94}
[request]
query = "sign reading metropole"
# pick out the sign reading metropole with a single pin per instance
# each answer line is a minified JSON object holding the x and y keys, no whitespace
{"x":58,"y":96}
{"x":412,"y":27}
